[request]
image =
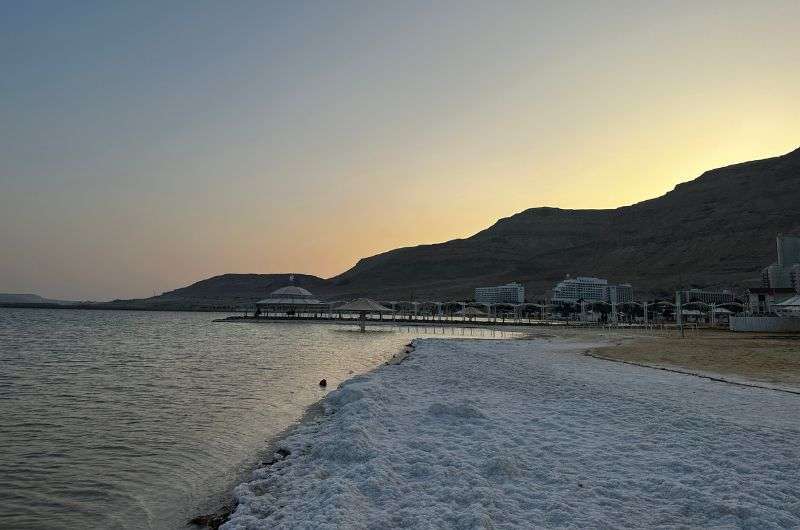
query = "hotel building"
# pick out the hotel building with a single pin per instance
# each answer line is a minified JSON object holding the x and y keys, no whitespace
{"x":785,"y":273}
{"x":591,"y":290}
{"x":707,"y":297}
{"x":510,"y":293}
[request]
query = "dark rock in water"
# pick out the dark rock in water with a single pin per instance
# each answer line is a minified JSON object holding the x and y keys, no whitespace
{"x":212,"y":520}
{"x":283,"y":452}
{"x":201,"y":520}
{"x":323,"y":383}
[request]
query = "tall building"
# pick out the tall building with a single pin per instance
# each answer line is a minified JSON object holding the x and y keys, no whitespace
{"x":783,"y":274}
{"x":794,"y":276}
{"x":591,"y":290}
{"x":581,"y":288}
{"x":763,"y":299}
{"x":510,"y":293}
{"x":788,"y":250}
{"x":620,"y":294}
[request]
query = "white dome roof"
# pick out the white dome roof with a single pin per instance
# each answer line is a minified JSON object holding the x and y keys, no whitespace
{"x":291,"y":291}
{"x":290,"y":295}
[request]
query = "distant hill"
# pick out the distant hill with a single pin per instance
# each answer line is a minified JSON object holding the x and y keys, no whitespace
{"x":12,"y":298}
{"x":717,"y":230}
{"x":228,"y":289}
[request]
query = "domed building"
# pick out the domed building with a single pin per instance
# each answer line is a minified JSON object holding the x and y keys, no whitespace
{"x":290,"y":300}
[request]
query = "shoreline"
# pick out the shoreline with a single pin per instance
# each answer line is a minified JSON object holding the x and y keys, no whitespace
{"x":399,"y":321}
{"x":266,"y":457}
{"x":367,"y":412}
{"x":316,"y":412}
{"x":273,"y":452}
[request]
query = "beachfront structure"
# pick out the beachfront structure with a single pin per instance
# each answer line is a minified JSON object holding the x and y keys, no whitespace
{"x":591,"y":289}
{"x":692,"y":315}
{"x":620,"y":294}
{"x":785,"y":273}
{"x":291,"y":300}
{"x":722,"y":316}
{"x":794,"y":277}
{"x":471,"y":313}
{"x":771,"y":310}
{"x":707,"y":297}
{"x":789,"y":307}
{"x":581,"y":288}
{"x":762,"y":300}
{"x":362,"y":307}
{"x":510,"y":293}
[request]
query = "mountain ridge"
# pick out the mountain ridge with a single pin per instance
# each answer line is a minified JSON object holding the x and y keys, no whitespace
{"x":716,"y":230}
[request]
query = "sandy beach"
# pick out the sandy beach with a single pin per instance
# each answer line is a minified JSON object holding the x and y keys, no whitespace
{"x":753,"y":358}
{"x":532,"y":433}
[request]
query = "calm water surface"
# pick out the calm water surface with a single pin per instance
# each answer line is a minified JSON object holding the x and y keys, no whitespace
{"x":116,"y":419}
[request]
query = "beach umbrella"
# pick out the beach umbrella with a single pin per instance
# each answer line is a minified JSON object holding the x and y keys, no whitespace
{"x":362,"y":306}
{"x":471,"y":312}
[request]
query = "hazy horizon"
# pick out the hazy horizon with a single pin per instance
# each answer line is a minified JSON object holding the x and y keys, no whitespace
{"x":152,"y":146}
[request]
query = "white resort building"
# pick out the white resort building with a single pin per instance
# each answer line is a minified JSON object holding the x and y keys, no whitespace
{"x":591,"y":290}
{"x":707,"y":297}
{"x":785,"y":273}
{"x":762,"y":300}
{"x":775,"y":306}
{"x":510,"y":293}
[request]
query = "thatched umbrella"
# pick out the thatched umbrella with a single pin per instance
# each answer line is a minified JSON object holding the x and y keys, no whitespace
{"x":471,"y":312}
{"x":362,"y":306}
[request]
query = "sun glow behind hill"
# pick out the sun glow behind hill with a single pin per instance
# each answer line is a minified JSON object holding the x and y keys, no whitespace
{"x":264,"y":139}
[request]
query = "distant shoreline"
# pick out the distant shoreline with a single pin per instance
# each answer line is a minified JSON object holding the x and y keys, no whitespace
{"x":235,"y":316}
{"x":227,"y":503}
{"x":102,"y":307}
{"x":419,"y":322}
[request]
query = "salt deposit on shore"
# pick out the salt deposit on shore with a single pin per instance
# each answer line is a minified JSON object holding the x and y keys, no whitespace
{"x":491,"y":434}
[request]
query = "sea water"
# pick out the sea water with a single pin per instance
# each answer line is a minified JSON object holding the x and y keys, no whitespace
{"x":124,"y":419}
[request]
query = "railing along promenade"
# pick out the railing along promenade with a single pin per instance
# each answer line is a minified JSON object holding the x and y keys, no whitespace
{"x":407,"y":319}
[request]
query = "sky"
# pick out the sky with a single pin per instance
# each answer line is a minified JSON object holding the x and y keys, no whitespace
{"x":148,"y":145}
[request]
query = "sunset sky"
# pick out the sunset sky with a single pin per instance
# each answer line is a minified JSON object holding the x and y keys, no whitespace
{"x":147,"y":145}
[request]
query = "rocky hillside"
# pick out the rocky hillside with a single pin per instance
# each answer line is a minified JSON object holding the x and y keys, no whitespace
{"x":715,"y":231}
